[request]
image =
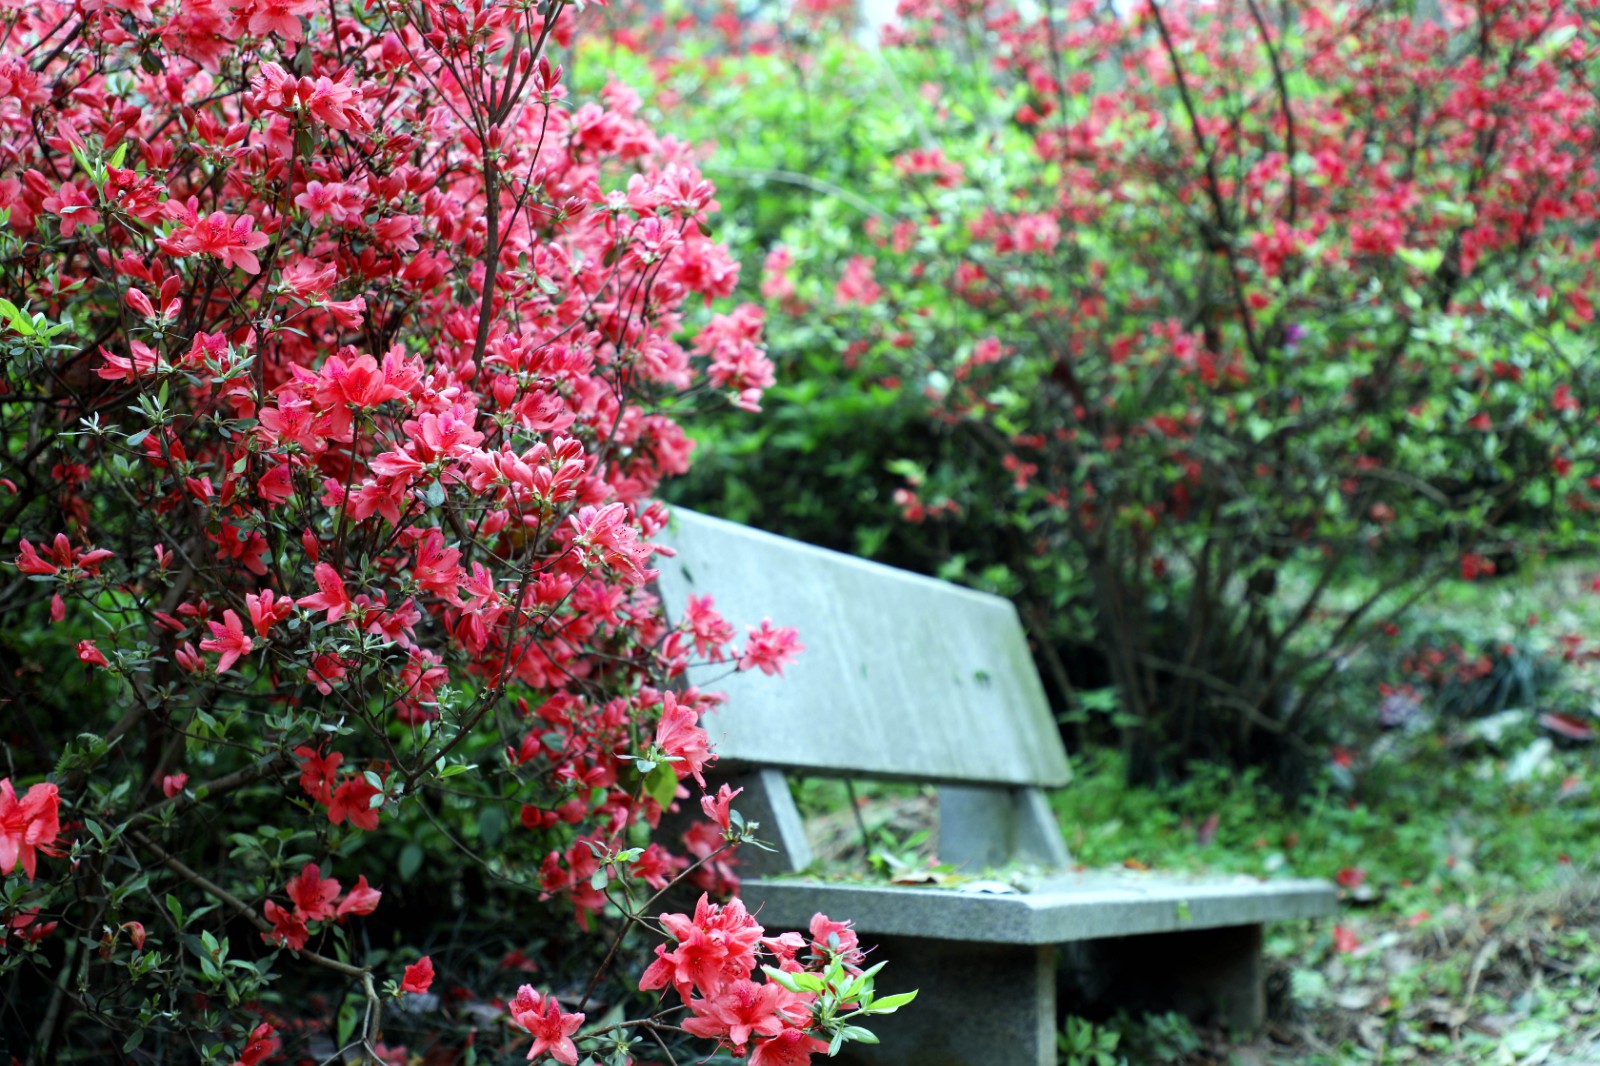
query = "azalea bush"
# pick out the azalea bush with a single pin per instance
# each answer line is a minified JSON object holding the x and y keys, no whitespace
{"x":1198,"y":311}
{"x":343,"y":350}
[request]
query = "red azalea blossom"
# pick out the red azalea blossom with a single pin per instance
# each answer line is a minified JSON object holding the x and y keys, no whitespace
{"x":262,"y":1045}
{"x":26,"y":926}
{"x":353,"y":800}
{"x":90,"y":655}
{"x":742,"y":1009}
{"x":680,"y":737}
{"x":312,"y":894}
{"x":288,"y":927}
{"x":136,"y":934}
{"x":418,"y":976}
{"x":362,"y":899}
{"x":319,"y":773}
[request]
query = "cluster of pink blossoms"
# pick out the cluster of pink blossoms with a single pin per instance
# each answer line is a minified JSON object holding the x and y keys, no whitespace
{"x":314,"y":898}
{"x":710,"y":967}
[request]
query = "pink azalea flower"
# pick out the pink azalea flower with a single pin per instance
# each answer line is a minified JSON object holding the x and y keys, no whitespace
{"x":73,"y":206}
{"x":27,"y":826}
{"x":551,"y":1027}
{"x":717,"y":807}
{"x":267,"y":609}
{"x":331,"y":595}
{"x":770,"y":650}
{"x":792,"y":1047}
{"x":742,"y":1009}
{"x":228,"y":638}
{"x":232,"y":240}
{"x":680,"y":736}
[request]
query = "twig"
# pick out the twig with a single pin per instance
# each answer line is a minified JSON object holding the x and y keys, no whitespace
{"x":374,"y":1026}
{"x":1479,"y":961}
{"x":805,"y":181}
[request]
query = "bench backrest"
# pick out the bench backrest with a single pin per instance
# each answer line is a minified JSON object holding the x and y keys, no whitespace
{"x":902,"y":677}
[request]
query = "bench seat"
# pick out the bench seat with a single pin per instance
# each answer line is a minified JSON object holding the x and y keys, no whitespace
{"x":1063,"y":908}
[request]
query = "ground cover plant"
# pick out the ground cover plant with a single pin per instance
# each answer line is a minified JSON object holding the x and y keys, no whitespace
{"x":1131,"y":315}
{"x":342,"y":350}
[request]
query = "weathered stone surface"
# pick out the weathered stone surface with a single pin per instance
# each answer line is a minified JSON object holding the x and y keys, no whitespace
{"x":984,"y":826}
{"x":976,"y":1005}
{"x":903,"y":676}
{"x":1070,"y":907}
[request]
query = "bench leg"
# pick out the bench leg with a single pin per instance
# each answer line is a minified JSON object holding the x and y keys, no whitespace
{"x":1206,"y":974}
{"x":977,"y":1005}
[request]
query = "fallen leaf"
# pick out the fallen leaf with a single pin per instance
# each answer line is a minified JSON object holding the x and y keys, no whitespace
{"x":1567,"y":725}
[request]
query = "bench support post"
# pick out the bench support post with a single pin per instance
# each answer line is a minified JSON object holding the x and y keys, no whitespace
{"x":982,"y":826}
{"x":977,"y":1005}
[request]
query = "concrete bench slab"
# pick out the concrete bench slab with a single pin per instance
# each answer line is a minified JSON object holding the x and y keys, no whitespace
{"x":1065,"y":908}
{"x":904,"y":677}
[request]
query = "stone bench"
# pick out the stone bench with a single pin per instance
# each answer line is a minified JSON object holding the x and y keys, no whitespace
{"x":907,"y":678}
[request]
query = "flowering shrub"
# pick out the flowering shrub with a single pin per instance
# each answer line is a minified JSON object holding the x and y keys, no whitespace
{"x":343,"y":350}
{"x":1201,"y":311}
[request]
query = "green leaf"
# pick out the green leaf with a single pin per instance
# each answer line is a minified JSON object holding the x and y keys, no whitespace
{"x":858,"y":1034}
{"x":1427,"y":260}
{"x":19,"y":321}
{"x":410,"y":862}
{"x":787,"y":980}
{"x":348,"y":1016}
{"x":491,"y":824}
{"x":890,"y":1004}
{"x":662,"y":784}
{"x":434,"y":494}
